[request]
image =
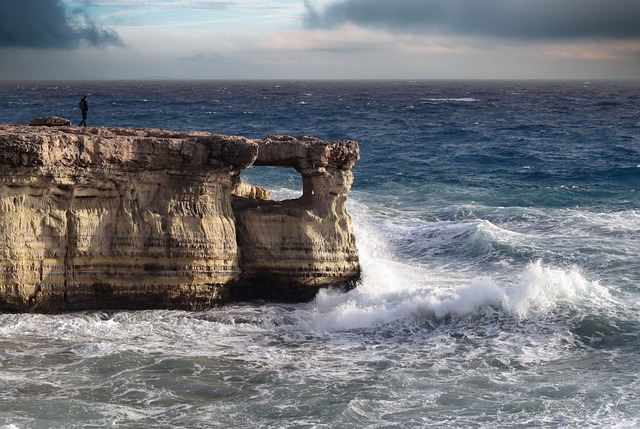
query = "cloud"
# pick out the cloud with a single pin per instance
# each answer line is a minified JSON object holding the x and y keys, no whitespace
{"x":513,"y":19}
{"x":45,"y":24}
{"x":161,"y":4}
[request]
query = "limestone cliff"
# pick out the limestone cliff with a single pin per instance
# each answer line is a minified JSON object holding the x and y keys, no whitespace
{"x":109,"y":218}
{"x":307,"y":241}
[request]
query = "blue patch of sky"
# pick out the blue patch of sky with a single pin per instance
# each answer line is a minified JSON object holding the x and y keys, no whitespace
{"x":222,"y":15}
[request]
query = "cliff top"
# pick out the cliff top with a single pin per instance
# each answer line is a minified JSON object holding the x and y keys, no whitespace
{"x":156,"y":149}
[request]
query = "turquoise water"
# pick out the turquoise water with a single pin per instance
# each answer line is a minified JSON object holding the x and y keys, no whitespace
{"x":497,"y":224}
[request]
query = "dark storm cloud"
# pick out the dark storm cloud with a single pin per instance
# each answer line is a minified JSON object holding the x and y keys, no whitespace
{"x":46,"y":24}
{"x":519,"y":19}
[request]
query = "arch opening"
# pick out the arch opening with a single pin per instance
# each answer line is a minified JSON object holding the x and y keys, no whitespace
{"x":284,"y":183}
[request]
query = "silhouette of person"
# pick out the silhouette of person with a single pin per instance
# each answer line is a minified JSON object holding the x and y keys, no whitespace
{"x":84,"y":107}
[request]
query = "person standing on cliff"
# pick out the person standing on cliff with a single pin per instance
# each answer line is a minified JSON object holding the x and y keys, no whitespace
{"x":84,"y":108}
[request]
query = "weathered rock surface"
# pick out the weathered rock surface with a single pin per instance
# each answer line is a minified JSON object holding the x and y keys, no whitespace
{"x":110,"y":218}
{"x":50,"y":121}
{"x":313,"y":231}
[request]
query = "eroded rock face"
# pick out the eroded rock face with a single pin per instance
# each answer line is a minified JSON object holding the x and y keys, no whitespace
{"x":307,"y":241}
{"x":124,"y":218}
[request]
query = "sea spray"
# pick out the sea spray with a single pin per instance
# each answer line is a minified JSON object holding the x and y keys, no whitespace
{"x":392,"y":290}
{"x":538,"y":290}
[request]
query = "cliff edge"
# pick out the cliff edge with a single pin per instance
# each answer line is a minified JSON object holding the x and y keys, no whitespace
{"x":113,"y":218}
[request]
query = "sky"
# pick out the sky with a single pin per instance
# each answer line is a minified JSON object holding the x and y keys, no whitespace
{"x":319,"y":39}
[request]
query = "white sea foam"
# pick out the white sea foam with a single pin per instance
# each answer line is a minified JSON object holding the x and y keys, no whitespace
{"x":395,"y":290}
{"x":453,"y":99}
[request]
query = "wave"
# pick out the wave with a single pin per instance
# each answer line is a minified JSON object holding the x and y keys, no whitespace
{"x":391,"y":292}
{"x":452,"y":99}
{"x":482,"y":241}
{"x":487,"y":271}
{"x":465,"y":242}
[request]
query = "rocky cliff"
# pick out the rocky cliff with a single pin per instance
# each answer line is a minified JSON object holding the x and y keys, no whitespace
{"x":110,"y":218}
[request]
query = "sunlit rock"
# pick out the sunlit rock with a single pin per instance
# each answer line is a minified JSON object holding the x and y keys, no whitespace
{"x":111,"y":218}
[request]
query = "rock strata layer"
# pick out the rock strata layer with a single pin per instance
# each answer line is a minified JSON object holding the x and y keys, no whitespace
{"x":111,"y":218}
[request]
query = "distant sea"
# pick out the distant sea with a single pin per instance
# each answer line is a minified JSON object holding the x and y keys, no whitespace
{"x":498,"y":225}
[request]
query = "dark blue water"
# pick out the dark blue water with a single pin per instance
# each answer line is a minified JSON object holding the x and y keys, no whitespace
{"x":479,"y":135}
{"x":497,"y":224}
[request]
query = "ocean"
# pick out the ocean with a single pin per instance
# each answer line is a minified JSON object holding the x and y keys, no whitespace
{"x":497,"y":224}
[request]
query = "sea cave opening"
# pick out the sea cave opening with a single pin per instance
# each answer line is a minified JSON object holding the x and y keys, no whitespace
{"x":284,"y":183}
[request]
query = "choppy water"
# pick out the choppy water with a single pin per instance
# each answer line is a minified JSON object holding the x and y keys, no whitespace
{"x":498,"y":227}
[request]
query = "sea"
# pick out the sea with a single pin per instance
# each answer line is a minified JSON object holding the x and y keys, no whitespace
{"x":498,"y":226}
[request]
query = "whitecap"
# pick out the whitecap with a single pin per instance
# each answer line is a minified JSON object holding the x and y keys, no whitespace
{"x":453,"y":99}
{"x":394,"y":289}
